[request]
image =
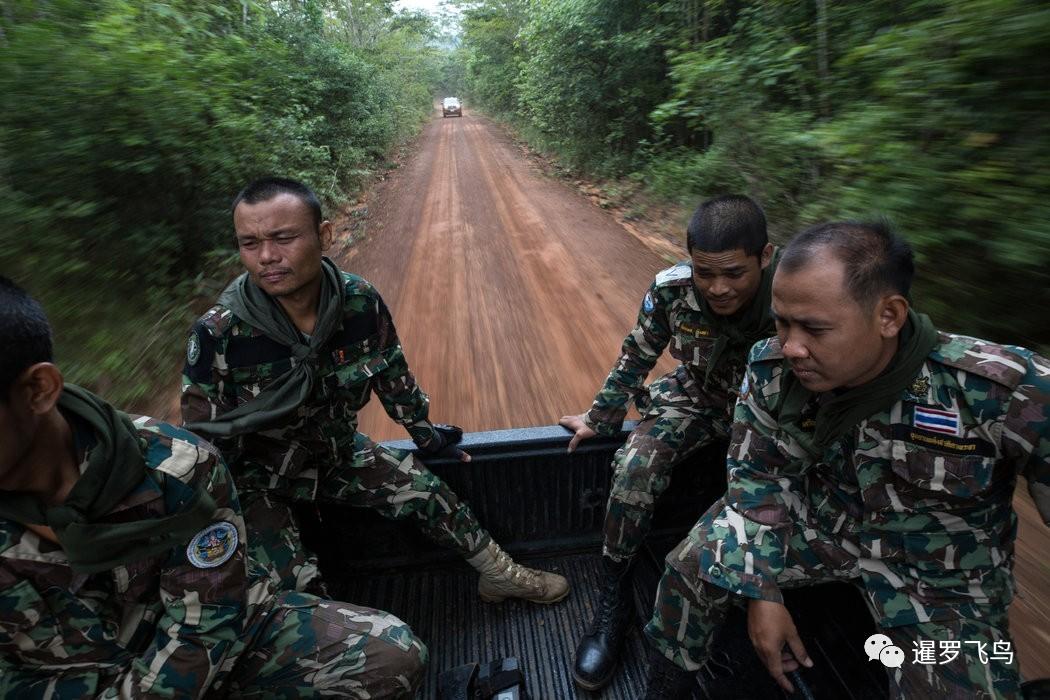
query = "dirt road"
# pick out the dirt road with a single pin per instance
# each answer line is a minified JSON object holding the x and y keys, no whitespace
{"x":511,"y":292}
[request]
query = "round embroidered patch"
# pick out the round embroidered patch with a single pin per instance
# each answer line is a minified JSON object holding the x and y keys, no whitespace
{"x":212,"y":546}
{"x":648,"y":304}
{"x":193,"y":349}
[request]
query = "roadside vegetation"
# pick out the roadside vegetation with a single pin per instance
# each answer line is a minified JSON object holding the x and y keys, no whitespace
{"x":127,"y":127}
{"x":928,"y":112}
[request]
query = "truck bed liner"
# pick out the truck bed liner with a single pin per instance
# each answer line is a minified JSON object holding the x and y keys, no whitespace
{"x":547,"y":509}
{"x":441,"y":604}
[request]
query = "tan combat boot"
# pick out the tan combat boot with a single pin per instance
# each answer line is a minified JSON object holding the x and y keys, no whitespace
{"x":501,"y":578}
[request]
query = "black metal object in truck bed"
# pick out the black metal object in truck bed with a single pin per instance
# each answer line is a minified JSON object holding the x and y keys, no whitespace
{"x":547,"y":507}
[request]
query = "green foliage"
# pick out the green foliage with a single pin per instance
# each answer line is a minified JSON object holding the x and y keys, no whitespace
{"x":750,"y":93}
{"x":950,"y":140}
{"x":127,"y":127}
{"x":493,"y":53}
{"x":591,"y":75}
{"x":452,"y":80}
{"x":928,"y":112}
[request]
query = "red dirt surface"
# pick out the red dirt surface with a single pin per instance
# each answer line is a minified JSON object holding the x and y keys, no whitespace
{"x":510,"y":291}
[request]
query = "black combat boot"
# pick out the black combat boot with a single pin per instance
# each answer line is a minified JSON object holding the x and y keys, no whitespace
{"x":599,"y":651}
{"x":667,"y":681}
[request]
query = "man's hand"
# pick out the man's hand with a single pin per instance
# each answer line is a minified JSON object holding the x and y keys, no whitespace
{"x":576,"y":425}
{"x":444,"y":442}
{"x":770,"y":627}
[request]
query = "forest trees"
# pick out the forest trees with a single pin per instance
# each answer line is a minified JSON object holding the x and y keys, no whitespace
{"x":128,"y":126}
{"x":928,"y":112}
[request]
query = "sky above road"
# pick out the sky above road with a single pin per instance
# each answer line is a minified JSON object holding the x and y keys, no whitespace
{"x":427,"y":5}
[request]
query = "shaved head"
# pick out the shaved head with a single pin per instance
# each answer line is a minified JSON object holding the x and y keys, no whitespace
{"x":876,"y":260}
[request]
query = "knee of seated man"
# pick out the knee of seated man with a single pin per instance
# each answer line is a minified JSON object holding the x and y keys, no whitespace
{"x":683,"y":567}
{"x":411,"y":653}
{"x":404,"y":664}
{"x":639,"y":469}
{"x":393,"y":649}
{"x":385,"y":650}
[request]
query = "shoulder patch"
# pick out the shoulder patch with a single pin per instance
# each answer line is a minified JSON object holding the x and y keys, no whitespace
{"x":1002,"y":364}
{"x":200,"y":351}
{"x":193,"y":349}
{"x":766,"y":350}
{"x":647,"y":303}
{"x":680,"y":273}
{"x":213,"y":546}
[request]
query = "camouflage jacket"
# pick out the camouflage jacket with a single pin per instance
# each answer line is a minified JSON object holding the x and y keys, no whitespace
{"x":229,"y":362}
{"x":159,"y":627}
{"x":920,"y":495}
{"x":671,"y":314}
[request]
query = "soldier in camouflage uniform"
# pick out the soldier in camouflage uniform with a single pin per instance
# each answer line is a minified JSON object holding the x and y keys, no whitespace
{"x":123,"y":562}
{"x":866,"y":447}
{"x":276,"y":373}
{"x":709,"y":310}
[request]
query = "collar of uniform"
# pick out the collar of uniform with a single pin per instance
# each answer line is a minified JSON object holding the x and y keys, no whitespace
{"x":18,"y":542}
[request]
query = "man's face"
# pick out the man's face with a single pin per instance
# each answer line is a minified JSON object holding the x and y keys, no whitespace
{"x":279,"y":244}
{"x":830,"y":340}
{"x":729,"y":280}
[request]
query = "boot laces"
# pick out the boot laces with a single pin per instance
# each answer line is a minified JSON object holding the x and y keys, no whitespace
{"x":609,"y":605}
{"x":519,"y":574}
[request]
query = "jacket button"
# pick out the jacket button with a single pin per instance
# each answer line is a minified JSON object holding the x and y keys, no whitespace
{"x":714,"y":571}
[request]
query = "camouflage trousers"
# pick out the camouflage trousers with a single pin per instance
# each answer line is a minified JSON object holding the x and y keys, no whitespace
{"x":293,"y":646}
{"x":302,"y":646}
{"x":390,"y":481}
{"x":676,"y":423}
{"x":689,"y":610}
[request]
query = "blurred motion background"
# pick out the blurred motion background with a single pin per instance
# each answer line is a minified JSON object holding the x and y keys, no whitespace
{"x":128,"y":125}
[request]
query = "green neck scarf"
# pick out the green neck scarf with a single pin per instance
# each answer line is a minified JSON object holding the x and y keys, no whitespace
{"x":116,"y":466}
{"x":841,"y":412}
{"x":738,"y":333}
{"x":289,"y":391}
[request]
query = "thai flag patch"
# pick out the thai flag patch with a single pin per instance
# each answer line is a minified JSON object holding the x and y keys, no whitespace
{"x":938,"y":421}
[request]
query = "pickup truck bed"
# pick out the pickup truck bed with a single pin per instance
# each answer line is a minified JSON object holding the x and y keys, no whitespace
{"x":547,"y":509}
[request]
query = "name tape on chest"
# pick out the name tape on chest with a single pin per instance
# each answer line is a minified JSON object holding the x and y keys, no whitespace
{"x":213,"y":546}
{"x":942,"y":443}
{"x":695,"y":330}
